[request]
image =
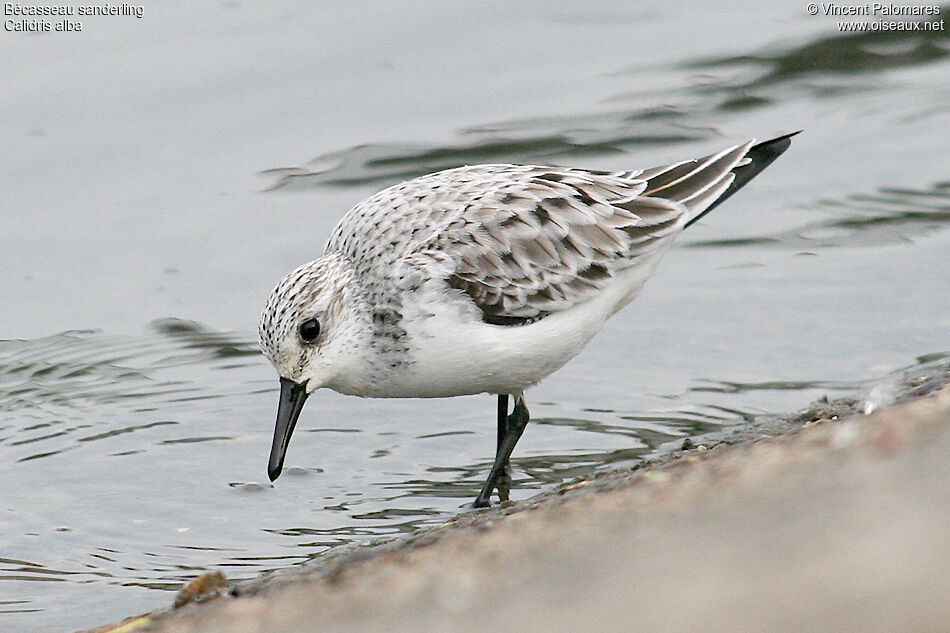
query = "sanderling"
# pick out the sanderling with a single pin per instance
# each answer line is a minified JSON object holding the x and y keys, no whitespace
{"x":481,"y":279}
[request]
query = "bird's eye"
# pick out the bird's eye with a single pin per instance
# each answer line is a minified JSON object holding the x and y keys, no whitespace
{"x":309,"y":330}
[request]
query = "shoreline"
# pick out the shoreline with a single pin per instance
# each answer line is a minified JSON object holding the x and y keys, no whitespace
{"x":827,"y":518}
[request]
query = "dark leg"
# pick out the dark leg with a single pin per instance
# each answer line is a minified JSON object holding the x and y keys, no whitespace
{"x":514,"y":427}
{"x":504,"y":481}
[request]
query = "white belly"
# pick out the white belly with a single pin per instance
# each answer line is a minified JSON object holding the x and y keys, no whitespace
{"x":454,"y":357}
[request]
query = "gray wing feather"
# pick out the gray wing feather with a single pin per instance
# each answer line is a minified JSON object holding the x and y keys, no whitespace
{"x":526,"y":241}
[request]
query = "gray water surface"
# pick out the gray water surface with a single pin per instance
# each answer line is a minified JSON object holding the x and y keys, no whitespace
{"x":161,"y":174}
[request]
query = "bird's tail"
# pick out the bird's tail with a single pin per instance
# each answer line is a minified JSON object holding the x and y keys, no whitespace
{"x":703,"y":184}
{"x":759,"y":157}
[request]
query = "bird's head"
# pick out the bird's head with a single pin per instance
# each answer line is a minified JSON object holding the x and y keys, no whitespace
{"x":309,"y":331}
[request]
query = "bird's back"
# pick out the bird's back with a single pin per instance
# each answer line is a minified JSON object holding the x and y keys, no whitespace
{"x":526,"y":241}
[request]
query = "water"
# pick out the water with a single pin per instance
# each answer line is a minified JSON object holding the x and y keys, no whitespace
{"x":161,"y":174}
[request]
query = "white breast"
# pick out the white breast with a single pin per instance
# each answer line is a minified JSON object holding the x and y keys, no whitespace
{"x":455,"y":354}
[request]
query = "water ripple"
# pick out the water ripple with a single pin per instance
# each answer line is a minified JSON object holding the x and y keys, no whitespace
{"x":840,"y":54}
{"x":62,"y":391}
{"x":892,"y":215}
{"x":382,"y":164}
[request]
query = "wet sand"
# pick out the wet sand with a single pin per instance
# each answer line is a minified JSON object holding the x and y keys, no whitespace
{"x":826,"y":520}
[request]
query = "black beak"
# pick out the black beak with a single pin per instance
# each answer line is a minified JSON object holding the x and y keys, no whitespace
{"x":292,"y":397}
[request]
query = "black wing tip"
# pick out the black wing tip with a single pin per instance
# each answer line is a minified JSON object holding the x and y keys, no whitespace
{"x":771,"y":149}
{"x":760,"y":156}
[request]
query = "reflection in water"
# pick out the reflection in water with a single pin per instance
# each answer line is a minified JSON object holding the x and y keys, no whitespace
{"x":196,"y":336}
{"x":722,"y":386}
{"x":866,"y":53}
{"x":837,"y":66}
{"x":890,"y":216}
{"x":388,"y":164}
{"x":561,"y":139}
